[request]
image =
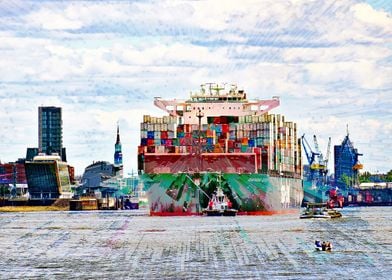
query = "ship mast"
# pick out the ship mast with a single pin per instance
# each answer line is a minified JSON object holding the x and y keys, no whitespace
{"x":200,"y":115}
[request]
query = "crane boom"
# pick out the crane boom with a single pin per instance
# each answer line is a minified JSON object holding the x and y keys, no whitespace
{"x":328,"y":152}
{"x":316,"y":146}
{"x":310,"y":155}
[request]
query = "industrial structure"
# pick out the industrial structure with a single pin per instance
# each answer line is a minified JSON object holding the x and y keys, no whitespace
{"x":347,"y":164}
{"x":316,"y":180}
{"x":317,"y":167}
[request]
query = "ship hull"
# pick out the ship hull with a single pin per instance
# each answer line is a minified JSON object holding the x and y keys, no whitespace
{"x":314,"y":193}
{"x":251,"y":193}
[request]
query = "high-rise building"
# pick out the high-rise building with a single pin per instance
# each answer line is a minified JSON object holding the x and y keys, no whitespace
{"x":117,"y":150}
{"x":50,"y":131}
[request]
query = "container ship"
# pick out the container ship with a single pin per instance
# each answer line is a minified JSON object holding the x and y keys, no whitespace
{"x":219,"y":139}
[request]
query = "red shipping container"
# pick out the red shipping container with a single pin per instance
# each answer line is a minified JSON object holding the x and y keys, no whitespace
{"x":225,"y":128}
{"x":150,"y":142}
{"x":164,"y":135}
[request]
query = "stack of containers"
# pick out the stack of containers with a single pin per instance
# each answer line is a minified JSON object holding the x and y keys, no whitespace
{"x":269,"y":136}
{"x":158,"y":135}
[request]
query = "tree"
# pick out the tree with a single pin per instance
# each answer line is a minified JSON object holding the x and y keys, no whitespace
{"x":365,"y":177}
{"x":388,"y":177}
{"x":346,"y":180}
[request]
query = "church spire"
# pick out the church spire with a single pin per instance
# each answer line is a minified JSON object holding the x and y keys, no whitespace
{"x":118,"y":134}
{"x":117,"y":149}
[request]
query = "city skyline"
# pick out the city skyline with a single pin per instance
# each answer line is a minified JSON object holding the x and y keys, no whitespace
{"x":103,"y":62}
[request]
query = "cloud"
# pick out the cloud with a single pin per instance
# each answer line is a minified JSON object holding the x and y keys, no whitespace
{"x":330,"y":62}
{"x":365,"y":13}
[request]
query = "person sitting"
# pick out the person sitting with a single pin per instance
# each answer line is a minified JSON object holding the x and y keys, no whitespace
{"x":317,"y":243}
{"x":323,"y":246}
{"x":328,"y":246}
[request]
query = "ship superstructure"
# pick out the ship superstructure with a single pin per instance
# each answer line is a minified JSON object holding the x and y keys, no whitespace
{"x":219,"y":133}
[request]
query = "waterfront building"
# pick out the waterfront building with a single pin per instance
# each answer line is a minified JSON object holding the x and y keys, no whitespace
{"x":13,"y":180}
{"x":102,"y":176}
{"x":48,"y":177}
{"x":50,"y":131}
{"x":96,"y":173}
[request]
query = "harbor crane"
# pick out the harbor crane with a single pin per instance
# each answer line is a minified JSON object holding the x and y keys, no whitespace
{"x":310,"y":154}
{"x":320,"y":159}
{"x":327,"y":155}
{"x":318,"y":164}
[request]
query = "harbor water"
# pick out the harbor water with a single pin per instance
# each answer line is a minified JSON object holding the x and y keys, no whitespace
{"x":130,"y":245}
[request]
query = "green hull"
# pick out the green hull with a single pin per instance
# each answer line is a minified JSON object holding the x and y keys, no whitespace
{"x":185,"y":193}
{"x":314,"y":193}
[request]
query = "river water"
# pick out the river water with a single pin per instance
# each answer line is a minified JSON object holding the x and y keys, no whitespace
{"x":129,"y":245}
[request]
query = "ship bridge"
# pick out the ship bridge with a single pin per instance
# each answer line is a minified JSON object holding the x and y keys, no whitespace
{"x":216,"y":100}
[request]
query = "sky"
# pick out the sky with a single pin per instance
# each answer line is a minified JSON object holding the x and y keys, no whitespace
{"x":103,"y":62}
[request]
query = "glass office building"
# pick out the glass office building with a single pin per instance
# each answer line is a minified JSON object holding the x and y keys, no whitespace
{"x":48,"y":178}
{"x":50,"y":131}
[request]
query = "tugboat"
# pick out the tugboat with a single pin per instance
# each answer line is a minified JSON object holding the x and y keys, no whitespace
{"x":219,"y":205}
{"x":319,"y":210}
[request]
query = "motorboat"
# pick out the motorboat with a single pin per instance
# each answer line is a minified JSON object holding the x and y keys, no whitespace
{"x":319,"y":210}
{"x":324,"y":246}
